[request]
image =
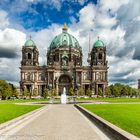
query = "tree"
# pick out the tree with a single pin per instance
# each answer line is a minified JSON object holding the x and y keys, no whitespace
{"x":15,"y":93}
{"x":54,"y":93}
{"x":46,"y":93}
{"x":108,"y":91}
{"x":71,"y":92}
{"x":81,"y":91}
{"x":114,"y":90}
{"x":26,"y":93}
{"x":5,"y":90}
{"x":100,"y":92}
{"x":122,"y":90}
{"x":35,"y":93}
{"x":89,"y":92}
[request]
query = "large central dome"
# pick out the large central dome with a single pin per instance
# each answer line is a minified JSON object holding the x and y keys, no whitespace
{"x":64,"y":40}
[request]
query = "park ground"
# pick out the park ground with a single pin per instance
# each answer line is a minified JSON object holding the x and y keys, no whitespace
{"x":125,"y":115}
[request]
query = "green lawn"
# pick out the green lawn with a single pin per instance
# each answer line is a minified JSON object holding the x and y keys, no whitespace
{"x":9,"y":110}
{"x":112,"y":100}
{"x":126,"y":116}
{"x":21,"y":100}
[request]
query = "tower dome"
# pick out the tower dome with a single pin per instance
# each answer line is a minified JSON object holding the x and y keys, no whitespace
{"x":98,"y":43}
{"x":64,"y":40}
{"x":29,"y":43}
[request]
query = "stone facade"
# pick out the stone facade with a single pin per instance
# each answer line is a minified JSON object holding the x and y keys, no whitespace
{"x":64,"y":66}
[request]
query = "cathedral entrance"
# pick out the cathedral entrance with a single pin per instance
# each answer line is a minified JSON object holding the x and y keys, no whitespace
{"x":64,"y":81}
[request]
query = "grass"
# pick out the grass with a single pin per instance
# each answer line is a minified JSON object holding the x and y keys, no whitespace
{"x":22,"y":100}
{"x":112,"y":100}
{"x":9,"y":110}
{"x":125,"y":116}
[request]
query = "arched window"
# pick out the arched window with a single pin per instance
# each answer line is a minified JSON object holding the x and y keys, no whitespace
{"x":29,"y":56}
{"x":100,"y":56}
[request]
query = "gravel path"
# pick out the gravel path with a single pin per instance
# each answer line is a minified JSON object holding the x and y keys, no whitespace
{"x":59,"y":122}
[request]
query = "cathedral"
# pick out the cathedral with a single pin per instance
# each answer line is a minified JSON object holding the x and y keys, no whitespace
{"x":64,"y":66}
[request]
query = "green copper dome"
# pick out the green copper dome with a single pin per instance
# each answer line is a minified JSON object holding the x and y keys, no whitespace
{"x":98,"y":43}
{"x":64,"y":40}
{"x":29,"y":43}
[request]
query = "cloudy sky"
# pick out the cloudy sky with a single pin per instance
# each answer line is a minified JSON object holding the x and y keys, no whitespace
{"x":116,"y":22}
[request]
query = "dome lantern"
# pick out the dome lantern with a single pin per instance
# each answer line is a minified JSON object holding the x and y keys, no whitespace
{"x":64,"y":29}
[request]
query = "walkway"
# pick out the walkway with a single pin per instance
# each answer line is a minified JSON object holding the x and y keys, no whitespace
{"x":59,"y":122}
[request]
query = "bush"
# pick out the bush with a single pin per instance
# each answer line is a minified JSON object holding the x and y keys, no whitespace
{"x":89,"y":92}
{"x":71,"y":92}
{"x":46,"y":93}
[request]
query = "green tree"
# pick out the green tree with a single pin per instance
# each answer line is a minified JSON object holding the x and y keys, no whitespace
{"x":118,"y":87}
{"x":46,"y":93}
{"x":100,"y":92}
{"x":54,"y":93}
{"x":35,"y":93}
{"x":134,"y":92}
{"x":108,"y":91}
{"x":114,"y":90}
{"x":71,"y":92}
{"x":122,"y":90}
{"x":89,"y":92}
{"x":15,"y":93}
{"x":5,"y":90}
{"x":26,"y":93}
{"x":81,"y":91}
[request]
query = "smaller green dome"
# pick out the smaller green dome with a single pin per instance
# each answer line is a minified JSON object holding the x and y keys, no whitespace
{"x":29,"y":43}
{"x":98,"y":43}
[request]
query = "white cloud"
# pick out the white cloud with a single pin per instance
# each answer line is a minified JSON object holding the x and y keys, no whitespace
{"x":87,"y":16}
{"x":116,"y":22}
{"x":4,"y":21}
{"x":112,"y":5}
{"x":11,"y":42}
{"x":11,"y":38}
{"x":43,"y":39}
{"x":120,"y":35}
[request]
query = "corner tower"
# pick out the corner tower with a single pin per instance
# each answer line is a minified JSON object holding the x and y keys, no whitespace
{"x":29,"y":54}
{"x":29,"y":66}
{"x":98,"y":64}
